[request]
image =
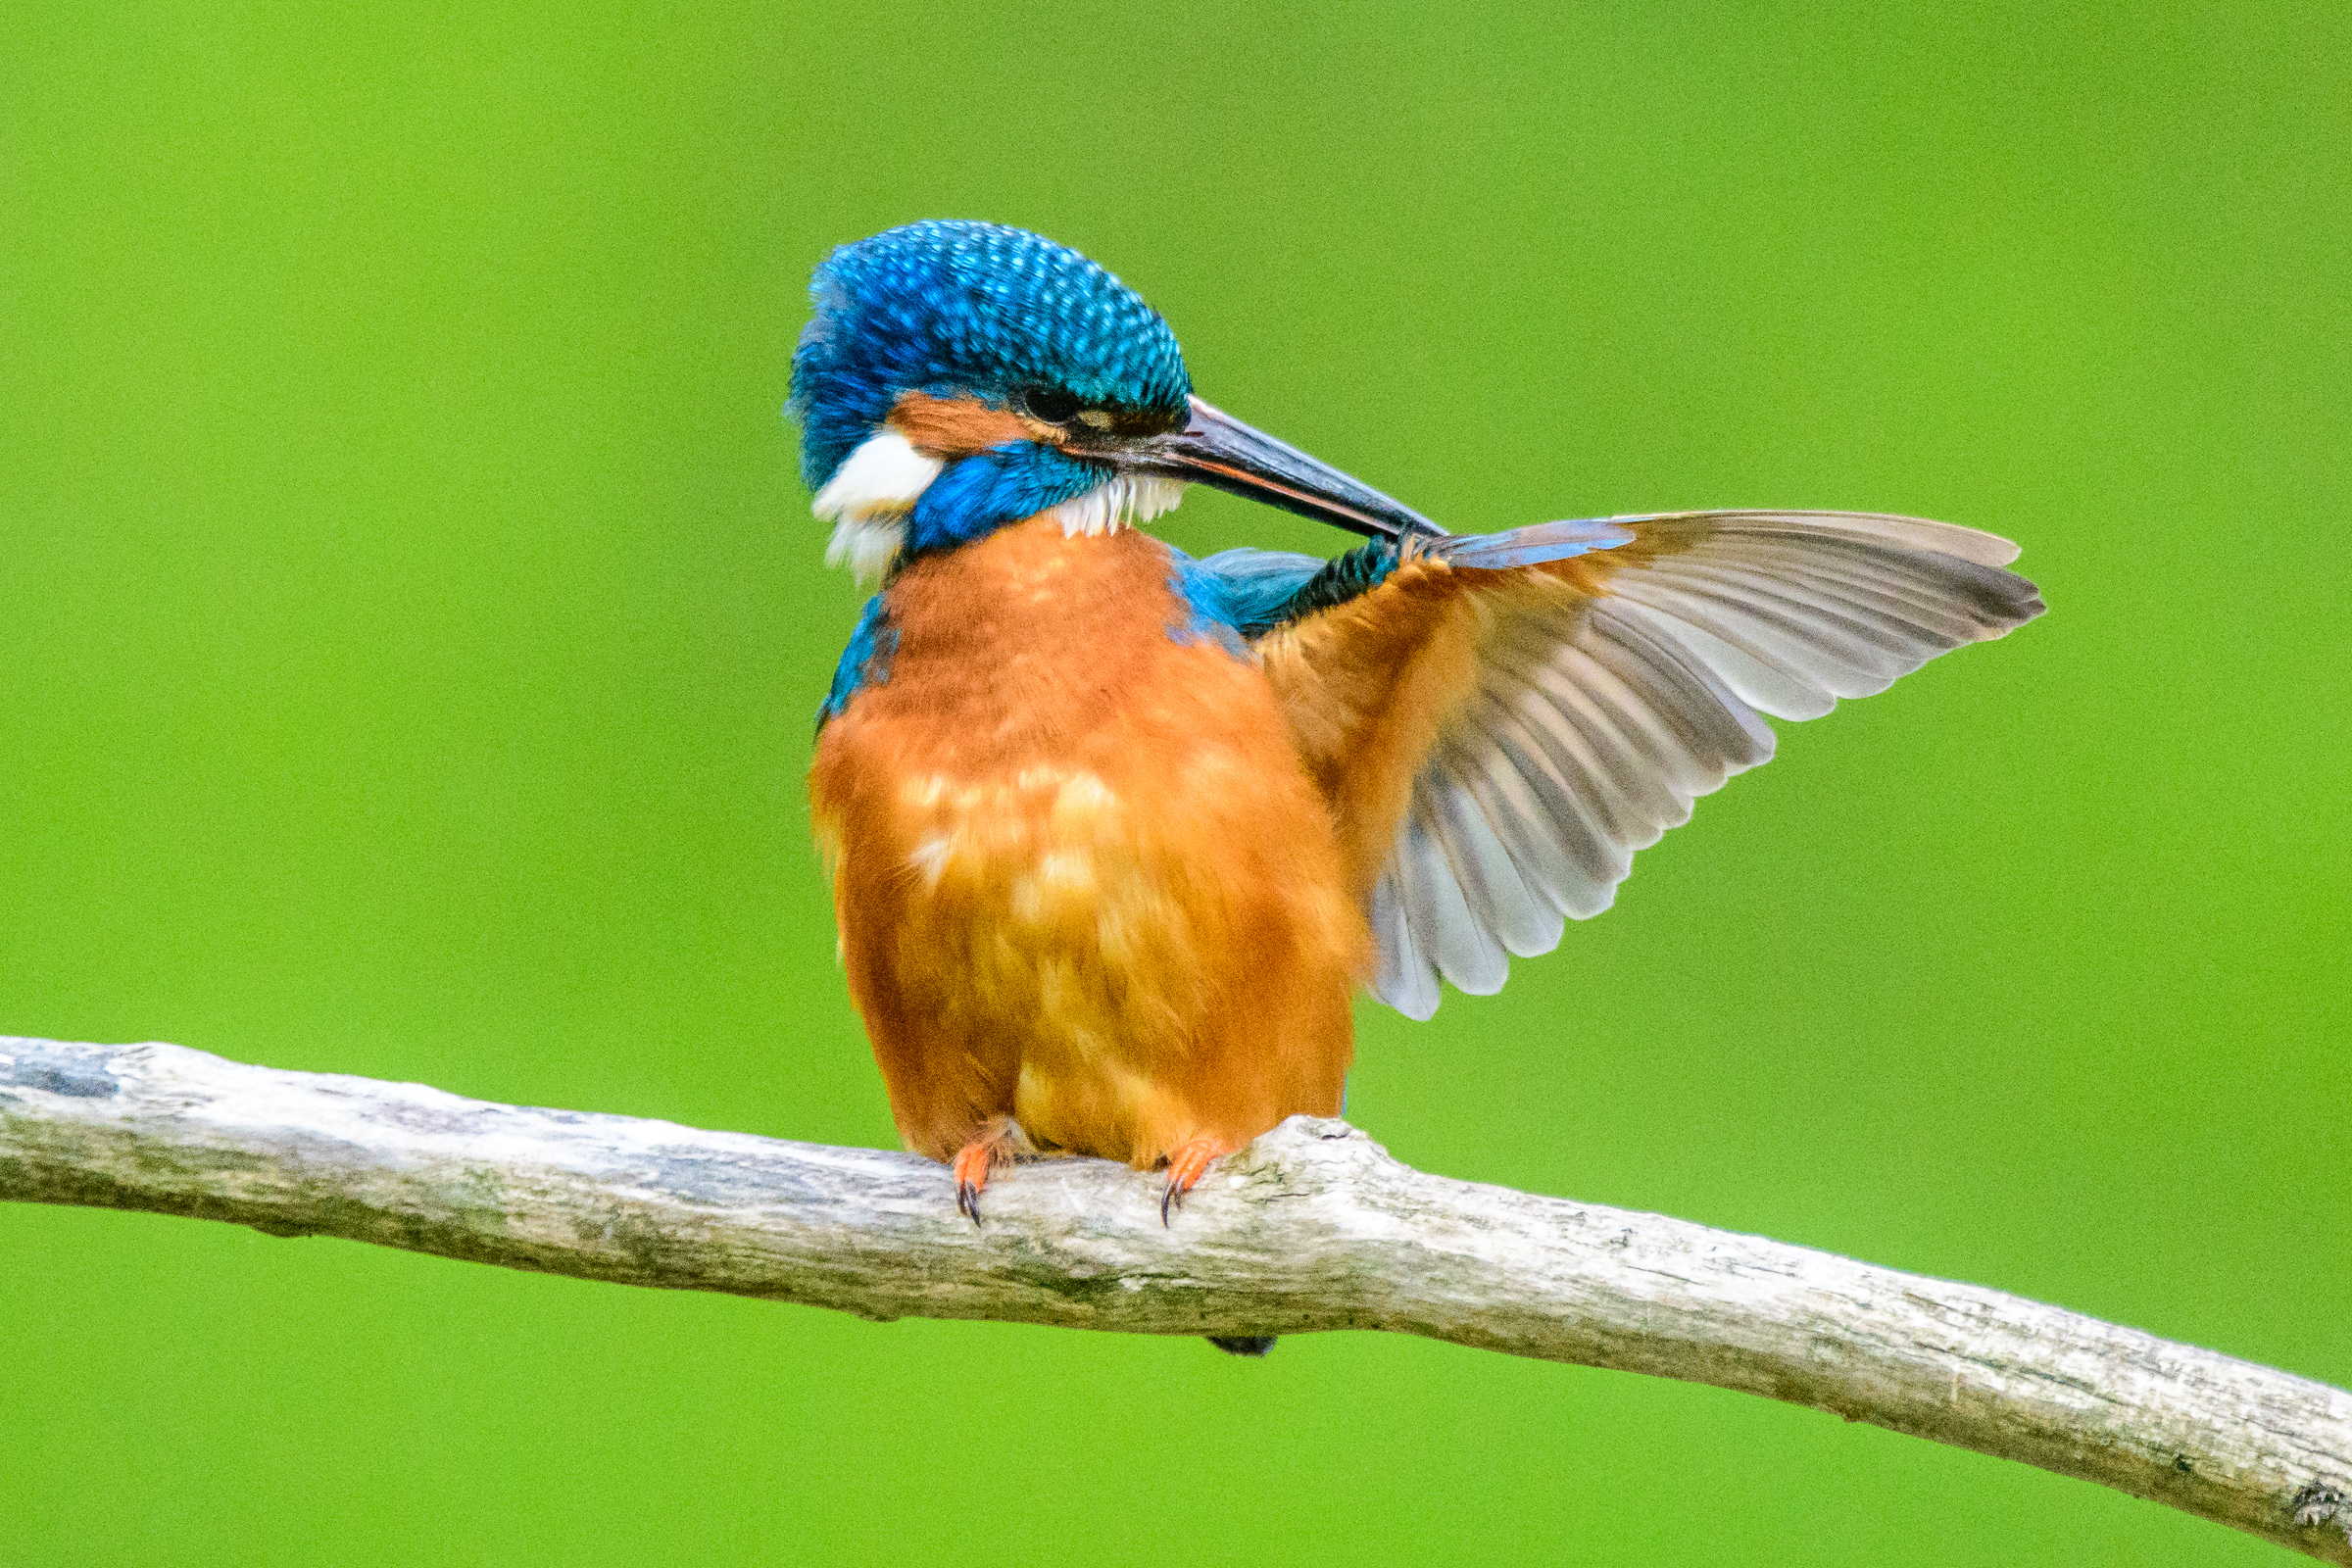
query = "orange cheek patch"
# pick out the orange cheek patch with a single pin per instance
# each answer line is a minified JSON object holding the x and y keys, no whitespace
{"x":955,"y":428}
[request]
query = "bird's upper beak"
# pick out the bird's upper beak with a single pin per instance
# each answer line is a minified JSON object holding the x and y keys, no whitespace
{"x":1217,"y":449}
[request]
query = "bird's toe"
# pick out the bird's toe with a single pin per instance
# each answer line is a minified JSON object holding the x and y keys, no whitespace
{"x":999,"y":1142}
{"x":1187,"y":1163}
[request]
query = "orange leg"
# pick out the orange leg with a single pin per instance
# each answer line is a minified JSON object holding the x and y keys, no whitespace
{"x":1187,"y":1163}
{"x":999,"y":1142}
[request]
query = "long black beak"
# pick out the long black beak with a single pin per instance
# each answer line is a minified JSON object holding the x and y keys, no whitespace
{"x":1217,"y":449}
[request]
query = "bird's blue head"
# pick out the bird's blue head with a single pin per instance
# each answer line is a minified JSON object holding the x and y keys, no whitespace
{"x":961,"y":375}
{"x":979,"y":310}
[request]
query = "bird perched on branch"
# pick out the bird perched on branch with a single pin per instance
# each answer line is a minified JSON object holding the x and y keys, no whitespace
{"x":1115,"y":832}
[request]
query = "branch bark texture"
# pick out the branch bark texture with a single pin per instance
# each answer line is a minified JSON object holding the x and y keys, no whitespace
{"x":1312,"y":1227}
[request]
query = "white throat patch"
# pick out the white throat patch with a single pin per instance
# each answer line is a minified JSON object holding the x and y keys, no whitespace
{"x":867,"y":499}
{"x":1129,"y":498}
{"x":870,"y":495}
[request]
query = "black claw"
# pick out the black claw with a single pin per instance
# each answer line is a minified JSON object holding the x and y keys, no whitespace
{"x":1170,"y":1197}
{"x":1249,"y":1345}
{"x":968,"y":1200}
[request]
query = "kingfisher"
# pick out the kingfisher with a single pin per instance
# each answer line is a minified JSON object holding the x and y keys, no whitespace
{"x":1114,"y":833}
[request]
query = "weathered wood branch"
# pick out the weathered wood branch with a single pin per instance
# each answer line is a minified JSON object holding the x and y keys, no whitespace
{"x":1312,"y":1227}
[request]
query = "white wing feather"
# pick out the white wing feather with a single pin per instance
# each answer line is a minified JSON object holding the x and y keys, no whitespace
{"x":1598,"y":718}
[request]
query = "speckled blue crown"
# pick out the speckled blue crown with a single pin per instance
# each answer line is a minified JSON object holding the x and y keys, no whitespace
{"x":944,"y":307}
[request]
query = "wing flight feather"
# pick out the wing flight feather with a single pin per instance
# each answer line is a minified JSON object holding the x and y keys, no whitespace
{"x":1506,"y":718}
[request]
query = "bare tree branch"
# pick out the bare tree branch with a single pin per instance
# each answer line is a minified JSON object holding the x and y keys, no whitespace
{"x":1312,"y":1227}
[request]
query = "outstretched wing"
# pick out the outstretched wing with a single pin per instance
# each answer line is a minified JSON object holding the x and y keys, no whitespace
{"x":1501,"y":721}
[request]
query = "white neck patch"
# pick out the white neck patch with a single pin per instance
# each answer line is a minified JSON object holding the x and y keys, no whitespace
{"x":1117,"y":503}
{"x":870,"y":495}
{"x":867,"y":499}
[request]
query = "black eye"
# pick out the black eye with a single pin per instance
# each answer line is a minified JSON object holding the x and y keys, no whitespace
{"x":1050,"y":404}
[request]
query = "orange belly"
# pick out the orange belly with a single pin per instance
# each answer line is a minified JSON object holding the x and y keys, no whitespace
{"x":1081,"y":876}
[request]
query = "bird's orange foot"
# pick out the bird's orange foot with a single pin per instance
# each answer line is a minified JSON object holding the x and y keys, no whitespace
{"x":1187,"y":1165}
{"x":997,"y":1143}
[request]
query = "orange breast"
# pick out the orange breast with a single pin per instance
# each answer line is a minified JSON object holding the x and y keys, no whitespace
{"x":1081,"y":875}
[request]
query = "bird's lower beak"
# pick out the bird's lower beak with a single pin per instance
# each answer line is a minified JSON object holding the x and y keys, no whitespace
{"x":1217,"y":449}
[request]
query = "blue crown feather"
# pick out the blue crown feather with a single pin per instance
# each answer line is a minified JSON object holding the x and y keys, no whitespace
{"x":979,"y":308}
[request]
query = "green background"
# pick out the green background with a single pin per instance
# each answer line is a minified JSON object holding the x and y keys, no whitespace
{"x":413,"y":621}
